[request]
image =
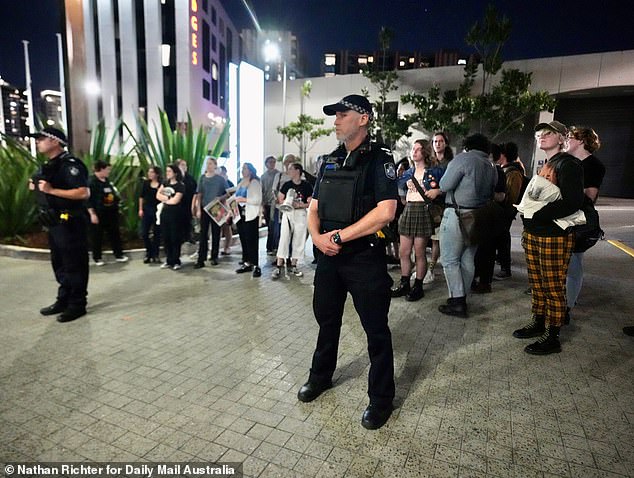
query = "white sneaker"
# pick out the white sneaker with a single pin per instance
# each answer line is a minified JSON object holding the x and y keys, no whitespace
{"x":99,"y":263}
{"x":296,"y":272}
{"x":122,"y":259}
{"x":276,"y":273}
{"x":165,"y":265}
{"x":176,"y":267}
{"x":429,"y":277}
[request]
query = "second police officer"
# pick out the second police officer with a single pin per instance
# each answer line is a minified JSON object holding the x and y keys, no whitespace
{"x":354,"y":197}
{"x":62,"y":185}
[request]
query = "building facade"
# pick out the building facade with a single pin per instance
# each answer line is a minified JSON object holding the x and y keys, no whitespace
{"x":14,"y":112}
{"x":346,"y":62}
{"x":131,"y":58}
{"x":271,"y":50}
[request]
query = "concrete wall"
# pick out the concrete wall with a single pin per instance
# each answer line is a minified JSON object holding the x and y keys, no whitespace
{"x":558,"y":75}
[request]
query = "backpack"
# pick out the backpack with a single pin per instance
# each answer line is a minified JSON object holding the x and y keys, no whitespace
{"x":588,"y":234}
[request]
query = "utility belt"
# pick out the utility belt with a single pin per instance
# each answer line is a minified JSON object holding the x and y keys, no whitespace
{"x":50,"y":217}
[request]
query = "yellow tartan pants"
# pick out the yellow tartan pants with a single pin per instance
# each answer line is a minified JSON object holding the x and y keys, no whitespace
{"x":547,"y":261}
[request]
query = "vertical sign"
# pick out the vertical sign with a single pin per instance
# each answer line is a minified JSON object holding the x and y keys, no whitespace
{"x":193,"y":25}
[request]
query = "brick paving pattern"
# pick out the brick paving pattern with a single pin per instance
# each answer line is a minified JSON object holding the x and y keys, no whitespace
{"x":205,"y":366}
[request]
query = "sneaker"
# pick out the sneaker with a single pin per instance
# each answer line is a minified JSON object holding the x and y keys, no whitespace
{"x":165,"y":265}
{"x":429,"y":277}
{"x":277,"y":272}
{"x":194,"y":255}
{"x":122,"y":259}
{"x":502,"y":275}
{"x":296,"y":272}
{"x":257,"y":272}
{"x":176,"y":267}
{"x":147,"y":260}
{"x":99,"y":262}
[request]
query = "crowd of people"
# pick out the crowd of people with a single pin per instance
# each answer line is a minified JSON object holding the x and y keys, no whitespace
{"x":360,"y":206}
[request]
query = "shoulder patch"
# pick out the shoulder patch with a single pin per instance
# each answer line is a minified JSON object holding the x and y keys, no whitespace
{"x":390,"y":170}
{"x":73,"y":170}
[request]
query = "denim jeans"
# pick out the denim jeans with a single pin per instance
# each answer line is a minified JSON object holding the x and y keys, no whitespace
{"x":457,"y":258}
{"x":574,"y":279}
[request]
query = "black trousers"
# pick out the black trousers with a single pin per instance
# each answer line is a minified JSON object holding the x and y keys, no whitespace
{"x":272,"y":216}
{"x":203,"y":246}
{"x":68,"y":242}
{"x":503,"y":245}
{"x":148,"y":225}
{"x":172,"y":231}
{"x":249,"y":239}
{"x":108,"y":223}
{"x":364,"y":275}
{"x":485,"y":261}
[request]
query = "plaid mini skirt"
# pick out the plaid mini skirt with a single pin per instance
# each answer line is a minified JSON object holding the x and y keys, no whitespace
{"x":416,"y":220}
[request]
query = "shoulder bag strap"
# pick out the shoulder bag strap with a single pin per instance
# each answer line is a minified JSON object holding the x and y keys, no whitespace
{"x":420,"y":189}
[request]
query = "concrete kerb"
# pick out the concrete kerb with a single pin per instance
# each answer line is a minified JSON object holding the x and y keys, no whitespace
{"x":20,"y":252}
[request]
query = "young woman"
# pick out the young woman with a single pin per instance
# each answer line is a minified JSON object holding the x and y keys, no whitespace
{"x":171,"y":195}
{"x":415,"y":224}
{"x":147,"y":212}
{"x":442,"y":155}
{"x":293,"y":222}
{"x":249,"y":198}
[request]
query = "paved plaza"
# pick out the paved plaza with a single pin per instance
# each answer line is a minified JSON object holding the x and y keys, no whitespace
{"x":204,"y":366}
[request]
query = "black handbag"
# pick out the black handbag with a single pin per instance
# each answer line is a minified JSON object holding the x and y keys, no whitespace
{"x":483,"y":223}
{"x":588,"y":234}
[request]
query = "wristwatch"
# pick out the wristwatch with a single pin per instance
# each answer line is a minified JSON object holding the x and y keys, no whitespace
{"x":336,"y":238}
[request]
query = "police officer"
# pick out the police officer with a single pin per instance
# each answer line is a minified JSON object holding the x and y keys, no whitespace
{"x":62,"y":185}
{"x":354,"y":197}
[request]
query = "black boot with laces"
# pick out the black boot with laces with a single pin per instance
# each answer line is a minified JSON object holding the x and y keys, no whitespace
{"x":535,"y":328}
{"x":546,"y":344}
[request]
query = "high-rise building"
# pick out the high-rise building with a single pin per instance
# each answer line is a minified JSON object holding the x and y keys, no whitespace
{"x":50,"y":107}
{"x":346,"y":62}
{"x":14,"y":111}
{"x":270,"y":49}
{"x":130,"y":58}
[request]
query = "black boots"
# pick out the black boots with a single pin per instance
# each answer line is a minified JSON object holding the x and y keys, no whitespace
{"x":403,"y":288}
{"x":546,"y":344}
{"x":456,"y":306}
{"x":416,"y":292}
{"x":411,"y":294}
{"x":534,"y":329}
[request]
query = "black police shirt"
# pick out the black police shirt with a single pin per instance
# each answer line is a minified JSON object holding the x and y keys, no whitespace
{"x":381,"y":177}
{"x":66,"y":172}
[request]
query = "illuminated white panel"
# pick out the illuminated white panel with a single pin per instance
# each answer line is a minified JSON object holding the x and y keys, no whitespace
{"x":251,"y":116}
{"x":231,"y":163}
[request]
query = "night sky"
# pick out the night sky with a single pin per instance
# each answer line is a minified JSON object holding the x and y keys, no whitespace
{"x":540,"y":28}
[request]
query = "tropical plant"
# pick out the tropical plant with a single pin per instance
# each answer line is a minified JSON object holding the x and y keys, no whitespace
{"x":388,"y":127}
{"x":498,"y":108}
{"x":18,"y":210}
{"x":306,"y":130}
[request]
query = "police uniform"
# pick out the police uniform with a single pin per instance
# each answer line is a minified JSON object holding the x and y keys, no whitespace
{"x":349,"y":186}
{"x":67,"y":223}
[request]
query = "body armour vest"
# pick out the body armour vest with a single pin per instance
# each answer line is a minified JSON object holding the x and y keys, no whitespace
{"x":343,"y":195}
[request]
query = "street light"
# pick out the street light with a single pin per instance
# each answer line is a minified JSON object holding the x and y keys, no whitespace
{"x":271,"y":53}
